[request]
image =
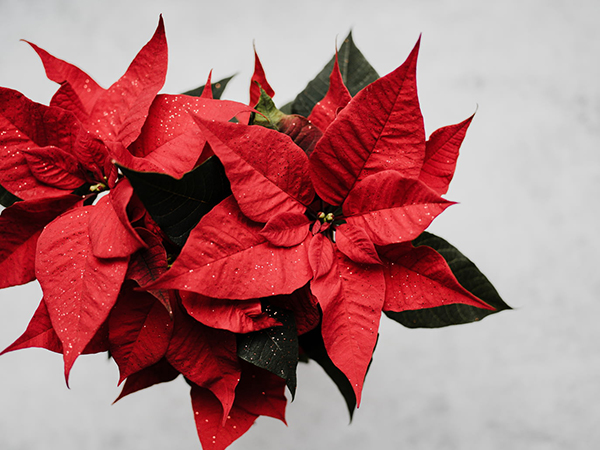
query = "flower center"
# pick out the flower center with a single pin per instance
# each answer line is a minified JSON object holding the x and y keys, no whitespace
{"x":325,"y":218}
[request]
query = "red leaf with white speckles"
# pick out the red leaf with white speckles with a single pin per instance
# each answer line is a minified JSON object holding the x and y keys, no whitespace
{"x":27,"y":125}
{"x":392,"y":209}
{"x":237,"y":316}
{"x":419,"y":278}
{"x":286,"y":229}
{"x":55,"y":167}
{"x":120,"y":111}
{"x":441,"y":153}
{"x":148,"y":264}
{"x":208,"y":414}
{"x":321,"y":255}
{"x":78,"y":92}
{"x":351,"y":297}
{"x":206,"y":356}
{"x":326,"y":110}
{"x":39,"y":333}
{"x":225,"y":256}
{"x":380,"y":129}
{"x":79,"y":289}
{"x":170,"y":140}
{"x":111,"y":234}
{"x":259,"y":393}
{"x":267,"y":171}
{"x":355,"y":243}
{"x":139,"y":329}
{"x":20,"y":227}
{"x":161,"y":372}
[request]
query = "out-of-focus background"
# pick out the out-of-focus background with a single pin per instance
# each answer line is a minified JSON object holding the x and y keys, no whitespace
{"x":527,"y":184}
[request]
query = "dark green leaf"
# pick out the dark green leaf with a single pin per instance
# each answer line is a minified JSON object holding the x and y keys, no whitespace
{"x":6,"y":198}
{"x":274,"y":349}
{"x":177,"y":205}
{"x":217,"y":88}
{"x":287,"y":108}
{"x":356,"y":73}
{"x":468,"y":275}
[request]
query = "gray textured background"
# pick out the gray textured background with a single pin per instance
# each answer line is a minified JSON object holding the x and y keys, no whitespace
{"x":527,"y":183}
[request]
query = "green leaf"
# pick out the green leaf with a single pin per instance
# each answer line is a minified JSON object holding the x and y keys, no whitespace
{"x":269,"y":116}
{"x":177,"y":205}
{"x":274,"y":349}
{"x":217,"y":88}
{"x":468,"y":275}
{"x":6,"y":198}
{"x":356,"y":73}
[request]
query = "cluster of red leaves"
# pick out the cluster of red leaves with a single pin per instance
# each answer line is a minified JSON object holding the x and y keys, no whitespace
{"x":320,"y":223}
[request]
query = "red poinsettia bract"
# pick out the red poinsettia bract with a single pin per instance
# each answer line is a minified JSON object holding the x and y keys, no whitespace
{"x":91,"y":253}
{"x":320,"y":223}
{"x":341,"y":219}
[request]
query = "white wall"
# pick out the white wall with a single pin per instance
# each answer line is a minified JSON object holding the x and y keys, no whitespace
{"x":527,"y":182}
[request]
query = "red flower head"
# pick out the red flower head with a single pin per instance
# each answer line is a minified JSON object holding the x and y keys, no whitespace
{"x":342,"y":219}
{"x":319,"y":227}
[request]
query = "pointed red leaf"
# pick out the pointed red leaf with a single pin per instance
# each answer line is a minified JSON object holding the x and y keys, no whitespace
{"x":259,"y":393}
{"x":355,"y":243}
{"x":79,"y":289}
{"x":380,"y":129}
{"x":161,"y":372}
{"x":207,"y":91}
{"x":351,"y":297}
{"x":93,"y":155}
{"x":321,"y":256}
{"x":139,"y":331}
{"x":67,"y":98}
{"x":326,"y":110}
{"x":286,"y":229}
{"x":441,"y":153}
{"x":73,"y":81}
{"x":267,"y":171}
{"x":206,"y":356}
{"x":260,"y":78}
{"x":170,"y":139}
{"x":109,"y":236}
{"x":419,"y":278}
{"x":99,"y":342}
{"x":121,"y":197}
{"x":237,"y":316}
{"x":54,"y":167}
{"x":20,"y":227}
{"x":120,"y":111}
{"x":27,"y":125}
{"x":39,"y":333}
{"x":392,"y":209}
{"x":208,"y":414}
{"x":148,"y":264}
{"x":226,"y":257}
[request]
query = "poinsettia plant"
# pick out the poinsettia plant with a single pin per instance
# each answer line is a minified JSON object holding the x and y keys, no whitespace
{"x":223,"y":241}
